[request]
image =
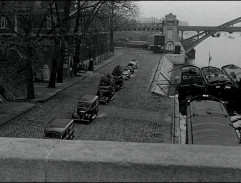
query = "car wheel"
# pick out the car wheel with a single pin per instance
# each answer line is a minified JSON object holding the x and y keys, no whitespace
{"x":89,"y":119}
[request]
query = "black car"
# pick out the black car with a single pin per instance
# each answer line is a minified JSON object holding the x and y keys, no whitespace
{"x":59,"y":129}
{"x":131,"y":68}
{"x":87,"y":108}
{"x":105,"y":94}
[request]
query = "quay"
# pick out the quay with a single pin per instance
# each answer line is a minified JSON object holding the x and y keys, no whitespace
{"x":126,"y":142}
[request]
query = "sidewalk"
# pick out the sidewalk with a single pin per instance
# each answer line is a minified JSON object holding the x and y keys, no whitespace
{"x":11,"y":110}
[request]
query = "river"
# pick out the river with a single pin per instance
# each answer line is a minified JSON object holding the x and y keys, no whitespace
{"x":223,"y":50}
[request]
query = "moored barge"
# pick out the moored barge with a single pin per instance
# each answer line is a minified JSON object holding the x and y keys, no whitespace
{"x":192,"y":82}
{"x":208,"y":122}
{"x":218,"y":84}
{"x":233,"y":72}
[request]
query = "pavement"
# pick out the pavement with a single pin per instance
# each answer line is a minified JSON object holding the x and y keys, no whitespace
{"x":11,"y":110}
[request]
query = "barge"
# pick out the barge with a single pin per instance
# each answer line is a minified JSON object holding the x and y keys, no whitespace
{"x":233,"y":72}
{"x":192,"y":81}
{"x":208,"y":122}
{"x":218,"y":84}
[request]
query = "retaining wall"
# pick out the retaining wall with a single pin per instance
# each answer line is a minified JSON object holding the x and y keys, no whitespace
{"x":177,"y":59}
{"x":54,"y":160}
{"x":162,"y":77}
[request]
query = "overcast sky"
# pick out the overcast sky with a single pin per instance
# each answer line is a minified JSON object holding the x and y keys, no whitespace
{"x":209,"y":13}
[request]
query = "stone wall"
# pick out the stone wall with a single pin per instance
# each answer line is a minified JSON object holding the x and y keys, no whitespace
{"x":25,"y":160}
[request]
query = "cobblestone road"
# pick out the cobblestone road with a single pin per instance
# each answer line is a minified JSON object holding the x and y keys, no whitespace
{"x":135,"y":115}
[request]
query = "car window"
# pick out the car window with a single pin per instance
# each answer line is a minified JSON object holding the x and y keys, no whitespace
{"x":83,"y":105}
{"x":53,"y":135}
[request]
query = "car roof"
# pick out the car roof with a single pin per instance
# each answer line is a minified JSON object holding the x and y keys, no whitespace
{"x":88,"y":98}
{"x":57,"y":125}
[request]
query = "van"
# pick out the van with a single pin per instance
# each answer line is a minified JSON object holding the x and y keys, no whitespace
{"x":59,"y":129}
{"x":87,"y":108}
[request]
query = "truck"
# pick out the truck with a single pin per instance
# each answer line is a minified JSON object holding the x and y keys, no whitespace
{"x":159,"y":43}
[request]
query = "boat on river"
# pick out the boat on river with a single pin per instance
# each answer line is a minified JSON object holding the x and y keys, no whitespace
{"x":208,"y":123}
{"x":233,"y":72}
{"x":218,"y":84}
{"x":191,"y":81}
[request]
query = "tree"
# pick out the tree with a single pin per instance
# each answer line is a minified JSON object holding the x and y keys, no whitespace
{"x":22,"y":12}
{"x":88,"y":11}
{"x":63,"y":38}
{"x":31,"y":18}
{"x":118,"y":13}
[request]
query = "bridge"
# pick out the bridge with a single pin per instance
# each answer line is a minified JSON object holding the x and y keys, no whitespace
{"x":141,"y":27}
{"x":193,"y":41}
{"x":203,"y":32}
{"x":158,"y":27}
{"x":209,"y":28}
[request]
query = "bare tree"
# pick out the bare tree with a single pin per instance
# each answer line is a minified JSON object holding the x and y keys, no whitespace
{"x":89,"y":12}
{"x":63,"y":38}
{"x":118,"y":13}
{"x":23,"y":43}
{"x":31,"y":19}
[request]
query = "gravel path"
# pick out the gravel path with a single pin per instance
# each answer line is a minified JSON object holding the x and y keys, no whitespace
{"x":135,"y":115}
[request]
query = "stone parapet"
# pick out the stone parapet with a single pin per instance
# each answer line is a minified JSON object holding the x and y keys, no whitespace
{"x":67,"y":161}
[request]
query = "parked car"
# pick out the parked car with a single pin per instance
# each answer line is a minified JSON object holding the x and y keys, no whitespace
{"x":117,"y":71}
{"x":117,"y":75}
{"x":126,"y":74}
{"x":134,"y":63}
{"x":81,"y":68}
{"x":59,"y":129}
{"x":131,"y":68}
{"x":105,"y":94}
{"x":87,"y":108}
{"x":119,"y":82}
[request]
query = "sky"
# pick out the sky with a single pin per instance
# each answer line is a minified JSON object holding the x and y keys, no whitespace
{"x":196,"y":13}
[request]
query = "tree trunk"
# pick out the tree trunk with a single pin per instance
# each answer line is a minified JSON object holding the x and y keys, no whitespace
{"x":112,"y":41}
{"x":112,"y":28}
{"x":76,"y":59}
{"x":60,"y":64}
{"x":29,"y":75}
{"x":52,"y":78}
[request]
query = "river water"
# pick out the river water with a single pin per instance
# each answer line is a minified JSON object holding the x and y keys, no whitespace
{"x":223,"y":50}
